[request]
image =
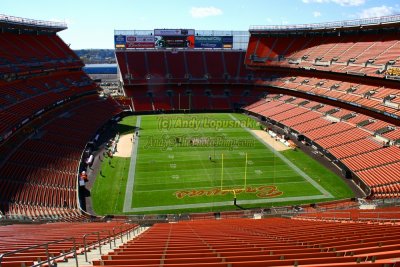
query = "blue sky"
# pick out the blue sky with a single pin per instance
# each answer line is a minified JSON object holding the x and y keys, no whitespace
{"x":91,"y":23}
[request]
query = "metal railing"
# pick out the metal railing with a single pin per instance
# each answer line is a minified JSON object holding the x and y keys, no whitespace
{"x":123,"y":230}
{"x":108,"y":238}
{"x":386,"y":202}
{"x":372,"y":216}
{"x":85,"y":245}
{"x":330,"y":215}
{"x":380,"y":216}
{"x":329,"y":25}
{"x":49,"y":258}
{"x":127,"y":230}
{"x":33,"y":22}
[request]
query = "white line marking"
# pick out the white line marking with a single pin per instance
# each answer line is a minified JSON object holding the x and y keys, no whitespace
{"x":132,"y":168}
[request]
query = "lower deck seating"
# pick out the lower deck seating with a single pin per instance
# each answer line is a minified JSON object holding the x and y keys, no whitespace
{"x":191,"y":97}
{"x":22,"y":236}
{"x":39,"y":180}
{"x":264,"y":242}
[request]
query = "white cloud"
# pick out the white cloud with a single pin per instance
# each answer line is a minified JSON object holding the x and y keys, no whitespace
{"x":202,"y":12}
{"x":284,"y":22}
{"x":317,"y":14}
{"x":339,"y":2}
{"x":377,"y":11}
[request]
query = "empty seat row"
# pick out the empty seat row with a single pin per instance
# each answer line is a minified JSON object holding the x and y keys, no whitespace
{"x":346,"y":54}
{"x":264,"y":242}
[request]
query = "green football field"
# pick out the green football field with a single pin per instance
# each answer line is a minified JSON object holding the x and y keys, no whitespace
{"x":171,"y":171}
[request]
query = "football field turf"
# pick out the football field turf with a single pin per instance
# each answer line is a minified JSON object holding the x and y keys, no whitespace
{"x":171,"y":171}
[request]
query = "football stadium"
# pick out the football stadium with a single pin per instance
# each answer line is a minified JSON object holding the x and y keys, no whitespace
{"x":274,"y":146}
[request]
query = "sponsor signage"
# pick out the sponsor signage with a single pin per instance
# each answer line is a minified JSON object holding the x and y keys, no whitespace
{"x":119,"y":39}
{"x":213,"y":42}
{"x":173,"y":32}
{"x":138,"y":41}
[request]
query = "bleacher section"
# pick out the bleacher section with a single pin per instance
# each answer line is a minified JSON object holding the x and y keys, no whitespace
{"x":22,"y":100}
{"x":388,"y":215}
{"x":191,"y":97}
{"x":358,"y":146}
{"x":361,"y":53}
{"x":185,"y":66}
{"x":353,"y":73}
{"x":39,"y":180}
{"x":376,"y":98}
{"x":264,"y":242}
{"x":28,"y":53}
{"x":41,"y":75}
{"x":185,"y":79}
{"x":61,"y":239}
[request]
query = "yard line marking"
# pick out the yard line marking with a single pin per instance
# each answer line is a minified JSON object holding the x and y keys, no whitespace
{"x":288,"y":162}
{"x":132,"y":168}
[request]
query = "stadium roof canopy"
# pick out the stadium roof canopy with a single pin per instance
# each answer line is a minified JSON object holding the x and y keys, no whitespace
{"x":378,"y":22}
{"x":15,"y":23}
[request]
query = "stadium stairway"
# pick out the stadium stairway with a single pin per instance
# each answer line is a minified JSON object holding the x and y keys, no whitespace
{"x":106,"y":248}
{"x":58,"y":243}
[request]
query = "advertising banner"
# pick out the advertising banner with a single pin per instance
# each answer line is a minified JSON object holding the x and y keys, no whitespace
{"x":227,"y":41}
{"x":173,"y":32}
{"x":120,"y":39}
{"x":213,"y":42}
{"x":135,"y":41}
{"x":208,"y":42}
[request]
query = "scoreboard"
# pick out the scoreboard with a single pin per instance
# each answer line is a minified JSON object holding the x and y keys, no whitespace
{"x":173,"y":38}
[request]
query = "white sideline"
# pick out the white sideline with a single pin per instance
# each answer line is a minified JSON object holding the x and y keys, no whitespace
{"x":132,"y":168}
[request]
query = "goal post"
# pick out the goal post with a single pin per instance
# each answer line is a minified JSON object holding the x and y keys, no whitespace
{"x":234,"y":189}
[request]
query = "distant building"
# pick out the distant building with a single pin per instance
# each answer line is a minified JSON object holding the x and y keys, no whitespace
{"x":102,"y":72}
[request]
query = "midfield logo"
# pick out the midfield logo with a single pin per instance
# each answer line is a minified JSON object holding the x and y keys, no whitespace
{"x":264,"y":191}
